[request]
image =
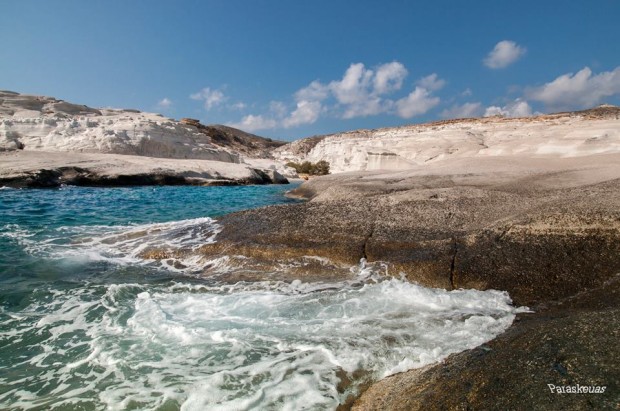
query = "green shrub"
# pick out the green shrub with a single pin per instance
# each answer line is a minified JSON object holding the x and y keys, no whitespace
{"x":319,"y":168}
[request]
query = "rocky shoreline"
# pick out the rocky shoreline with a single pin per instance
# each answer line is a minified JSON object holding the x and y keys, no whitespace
{"x":37,"y":169}
{"x":528,"y":206}
{"x":46,"y":142}
{"x":545,"y":230}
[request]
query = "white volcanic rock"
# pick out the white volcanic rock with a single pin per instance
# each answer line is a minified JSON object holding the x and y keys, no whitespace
{"x":274,"y":165}
{"x":576,"y":134}
{"x":45,"y":124}
{"x":17,"y":165}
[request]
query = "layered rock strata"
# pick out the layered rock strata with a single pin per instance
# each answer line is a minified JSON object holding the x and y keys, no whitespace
{"x":38,"y":169}
{"x":35,"y":131}
{"x":41,"y":123}
{"x":569,"y":134}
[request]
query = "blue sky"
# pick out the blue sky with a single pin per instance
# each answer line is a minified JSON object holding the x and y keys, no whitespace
{"x":290,"y":69}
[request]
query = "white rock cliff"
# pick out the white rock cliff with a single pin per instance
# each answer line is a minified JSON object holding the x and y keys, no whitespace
{"x":46,"y":124}
{"x":575,"y":134}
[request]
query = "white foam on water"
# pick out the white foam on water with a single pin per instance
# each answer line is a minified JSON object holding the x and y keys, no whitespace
{"x":122,"y":244}
{"x":268,"y":345}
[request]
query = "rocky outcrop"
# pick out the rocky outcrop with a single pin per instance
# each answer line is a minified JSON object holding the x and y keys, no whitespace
{"x":569,"y":346}
{"x":298,"y":149}
{"x":46,"y":124}
{"x":533,"y":242}
{"x":247,"y":144}
{"x":52,"y":169}
{"x":545,"y":230}
{"x":557,"y":135}
{"x":36,"y":124}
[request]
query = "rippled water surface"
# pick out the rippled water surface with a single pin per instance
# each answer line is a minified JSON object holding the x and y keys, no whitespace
{"x":87,"y":322}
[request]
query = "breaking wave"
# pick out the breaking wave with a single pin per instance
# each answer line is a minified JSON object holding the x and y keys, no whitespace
{"x":262,"y":345}
{"x":133,"y":244}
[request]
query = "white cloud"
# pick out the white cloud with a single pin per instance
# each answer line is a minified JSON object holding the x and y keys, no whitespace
{"x":210,"y":97}
{"x":354,"y":86}
{"x":467,"y":92}
{"x":164,"y":103}
{"x":389,"y":77}
{"x":315,"y":91}
{"x":354,"y":92}
{"x":419,"y":101}
{"x":517,"y":108}
{"x":307,"y":112}
{"x":581,"y":90}
{"x":467,"y":110}
{"x":369,"y":106}
{"x":238,"y":106}
{"x":360,"y":92}
{"x":252,"y":123}
{"x":503,"y":54}
{"x":431,"y":82}
{"x":278,"y":108}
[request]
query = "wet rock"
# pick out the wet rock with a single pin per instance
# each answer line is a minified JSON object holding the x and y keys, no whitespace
{"x":536,"y":247}
{"x":573,"y":344}
{"x":550,"y":238}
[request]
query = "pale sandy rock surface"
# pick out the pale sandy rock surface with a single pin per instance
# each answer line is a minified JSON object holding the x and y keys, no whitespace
{"x":19,"y":165}
{"x":270,"y":164}
{"x":38,"y":123}
{"x":576,"y":134}
{"x":500,"y":173}
{"x":113,"y":142}
{"x":54,"y":128}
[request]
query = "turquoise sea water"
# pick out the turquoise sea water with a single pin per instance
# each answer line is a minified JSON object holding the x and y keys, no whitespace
{"x":87,"y":323}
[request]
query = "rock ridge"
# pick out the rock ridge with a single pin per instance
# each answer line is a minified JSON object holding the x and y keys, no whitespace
{"x":64,"y":132}
{"x":42,"y":123}
{"x":568,"y":134}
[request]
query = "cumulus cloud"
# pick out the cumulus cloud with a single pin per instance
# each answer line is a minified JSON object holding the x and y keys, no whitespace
{"x":164,"y":103}
{"x":278,"y":108}
{"x":466,"y":110}
{"x":354,"y":86}
{"x":517,"y":108}
{"x":307,"y":112}
{"x":504,"y":54}
{"x":360,"y":92}
{"x":419,"y":101}
{"x":315,"y":91}
{"x":253,"y":123}
{"x":389,"y":77}
{"x":579,"y":90}
{"x":431,"y":82}
{"x":210,"y":97}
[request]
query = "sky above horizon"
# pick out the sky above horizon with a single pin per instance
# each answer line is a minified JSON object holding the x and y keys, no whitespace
{"x":289,"y":70}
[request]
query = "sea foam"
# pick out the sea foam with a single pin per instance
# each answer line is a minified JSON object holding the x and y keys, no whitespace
{"x":129,"y":244}
{"x":267,"y":345}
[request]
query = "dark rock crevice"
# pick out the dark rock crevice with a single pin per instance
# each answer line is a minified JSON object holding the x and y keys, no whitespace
{"x":455,"y":250}
{"x":365,"y":243}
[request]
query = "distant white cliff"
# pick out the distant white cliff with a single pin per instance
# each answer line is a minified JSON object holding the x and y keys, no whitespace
{"x":46,"y":124}
{"x":571,"y":134}
{"x":45,"y":142}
